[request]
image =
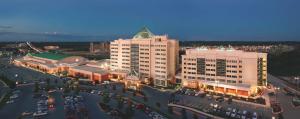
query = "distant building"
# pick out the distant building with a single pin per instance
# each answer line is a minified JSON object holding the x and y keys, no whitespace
{"x":74,"y":66}
{"x":151,"y":56}
{"x":227,"y":71}
{"x":102,"y":47}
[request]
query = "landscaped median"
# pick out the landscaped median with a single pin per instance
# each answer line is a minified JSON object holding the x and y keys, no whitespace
{"x":194,"y":110}
{"x":153,"y":108}
{"x":11,"y":84}
{"x":4,"y":99}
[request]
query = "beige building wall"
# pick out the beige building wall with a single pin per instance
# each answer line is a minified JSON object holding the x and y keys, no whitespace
{"x":157,"y":56}
{"x":244,"y":71}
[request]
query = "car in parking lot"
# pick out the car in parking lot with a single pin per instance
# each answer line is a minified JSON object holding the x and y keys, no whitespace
{"x":26,"y":113}
{"x":93,"y":91}
{"x":9,"y":101}
{"x":39,"y":113}
{"x":99,"y":92}
{"x":219,"y":99}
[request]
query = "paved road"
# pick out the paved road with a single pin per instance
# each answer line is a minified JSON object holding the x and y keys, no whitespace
{"x":91,"y":100}
{"x":289,"y":112}
{"x":278,"y":82}
{"x":58,"y":112}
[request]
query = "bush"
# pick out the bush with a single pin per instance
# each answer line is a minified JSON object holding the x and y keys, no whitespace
{"x":195,"y":116}
{"x":129,"y":112}
{"x":105,"y":99}
{"x":170,"y":110}
{"x":145,"y":99}
{"x":183,"y":113}
{"x":158,"y":104}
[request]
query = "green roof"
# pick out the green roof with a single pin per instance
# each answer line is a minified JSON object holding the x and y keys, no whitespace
{"x":48,"y":55}
{"x":144,"y":33}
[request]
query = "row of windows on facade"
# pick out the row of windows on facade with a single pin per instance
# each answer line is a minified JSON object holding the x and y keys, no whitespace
{"x":209,"y":74}
{"x":214,"y":60}
{"x":160,"y":76}
{"x":163,"y":54}
{"x":141,"y":45}
{"x":228,"y":71}
{"x":213,"y":65}
{"x":141,"y":59}
{"x":142,"y":49}
{"x":160,"y":62}
{"x":211,"y":79}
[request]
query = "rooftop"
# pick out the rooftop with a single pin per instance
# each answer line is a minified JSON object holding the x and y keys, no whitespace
{"x":91,"y":69}
{"x":144,"y":33}
{"x":48,"y":55}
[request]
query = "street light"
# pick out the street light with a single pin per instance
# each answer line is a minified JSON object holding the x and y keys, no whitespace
{"x":217,"y":85}
{"x":276,"y":89}
{"x":297,"y":83}
{"x":16,"y":76}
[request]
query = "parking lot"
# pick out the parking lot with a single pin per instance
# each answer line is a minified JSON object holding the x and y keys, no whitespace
{"x":217,"y":105}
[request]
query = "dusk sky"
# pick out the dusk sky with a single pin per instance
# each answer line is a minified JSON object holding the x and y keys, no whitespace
{"x":180,"y":19}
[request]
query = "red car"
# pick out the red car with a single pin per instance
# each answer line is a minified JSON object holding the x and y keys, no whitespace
{"x":139,"y":106}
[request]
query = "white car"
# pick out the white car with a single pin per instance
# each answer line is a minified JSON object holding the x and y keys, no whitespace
{"x":254,"y":115}
{"x":14,"y":96}
{"x":93,"y":91}
{"x":26,"y":113}
{"x":39,"y":113}
{"x":10,"y":101}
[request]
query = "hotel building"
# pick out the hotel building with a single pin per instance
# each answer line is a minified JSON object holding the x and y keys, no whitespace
{"x":152,"y":56}
{"x":226,"y":71}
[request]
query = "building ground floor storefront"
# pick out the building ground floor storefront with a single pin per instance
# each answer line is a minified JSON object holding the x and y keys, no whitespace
{"x":245,"y":91}
{"x":69,"y":71}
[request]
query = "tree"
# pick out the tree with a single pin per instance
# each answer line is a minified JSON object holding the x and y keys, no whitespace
{"x":280,"y":116}
{"x":120,"y":104}
{"x":170,"y":110}
{"x":183,"y":113}
{"x":105,"y":98}
{"x":47,"y":81}
{"x":36,"y":87}
{"x":134,"y":93}
{"x":195,"y":116}
{"x":158,"y":104}
{"x":114,"y":87}
{"x":129,"y":112}
{"x":56,"y":81}
{"x":145,"y":99}
{"x":124,"y":90}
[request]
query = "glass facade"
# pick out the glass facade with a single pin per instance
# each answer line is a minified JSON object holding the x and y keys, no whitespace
{"x":221,"y":67}
{"x":201,"y":66}
{"x":134,"y":59}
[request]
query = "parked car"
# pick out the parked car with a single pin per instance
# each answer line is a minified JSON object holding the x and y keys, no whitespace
{"x":93,"y":91}
{"x":254,"y":115}
{"x":220,"y":99}
{"x":27,"y":113}
{"x":10,"y":101}
{"x":99,"y":92}
{"x":39,"y":113}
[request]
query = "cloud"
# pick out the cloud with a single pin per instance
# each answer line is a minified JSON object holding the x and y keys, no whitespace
{"x":5,"y":27}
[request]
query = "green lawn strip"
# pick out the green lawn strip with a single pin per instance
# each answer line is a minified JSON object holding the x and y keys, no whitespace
{"x":5,"y":99}
{"x":11,"y":84}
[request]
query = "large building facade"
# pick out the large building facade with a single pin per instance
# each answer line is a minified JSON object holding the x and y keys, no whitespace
{"x":151,"y":56}
{"x":227,"y":71}
{"x":73,"y":66}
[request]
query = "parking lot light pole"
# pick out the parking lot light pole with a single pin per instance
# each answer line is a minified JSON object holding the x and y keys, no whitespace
{"x":16,"y":76}
{"x":217,"y":82}
{"x":297,"y":81}
{"x":276,"y":89}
